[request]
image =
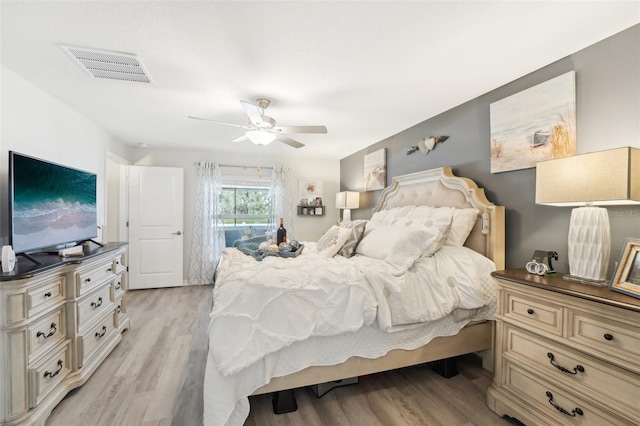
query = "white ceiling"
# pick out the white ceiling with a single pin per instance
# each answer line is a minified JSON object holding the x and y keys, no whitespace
{"x":366,"y":70}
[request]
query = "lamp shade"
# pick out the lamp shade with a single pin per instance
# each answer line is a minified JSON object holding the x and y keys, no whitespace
{"x":348,"y":200}
{"x":604,"y":178}
{"x":260,"y":137}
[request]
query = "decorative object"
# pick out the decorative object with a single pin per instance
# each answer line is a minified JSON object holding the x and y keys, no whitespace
{"x":626,"y":278}
{"x":375,"y":170}
{"x":8,"y":259}
{"x":426,"y":145}
{"x":309,"y":189}
{"x":347,"y":200}
{"x":534,"y":125}
{"x":604,"y":178}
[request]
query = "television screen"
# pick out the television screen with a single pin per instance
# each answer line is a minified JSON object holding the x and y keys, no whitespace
{"x":50,"y":204}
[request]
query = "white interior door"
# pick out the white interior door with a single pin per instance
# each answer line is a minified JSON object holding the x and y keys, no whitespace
{"x":155,"y":226}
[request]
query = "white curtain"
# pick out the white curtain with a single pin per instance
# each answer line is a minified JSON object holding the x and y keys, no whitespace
{"x":281,"y":200}
{"x":208,"y":232}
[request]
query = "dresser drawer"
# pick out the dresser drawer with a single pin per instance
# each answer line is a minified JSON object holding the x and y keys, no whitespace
{"x":121,"y":309}
{"x":42,"y":297}
{"x":118,"y":264}
{"x":118,"y":287}
{"x":46,"y":332}
{"x":93,"y":305}
{"x":88,"y":278}
{"x":614,"y":340}
{"x":46,"y":375}
{"x":90,"y":341}
{"x":539,"y":313}
{"x":590,"y":377}
{"x":558,"y":406}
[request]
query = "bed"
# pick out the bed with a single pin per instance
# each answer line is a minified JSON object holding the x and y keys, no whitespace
{"x":250,"y":356}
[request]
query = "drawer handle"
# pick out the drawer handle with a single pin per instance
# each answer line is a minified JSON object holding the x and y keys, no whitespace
{"x":573,"y":412}
{"x":118,"y":286}
{"x":88,"y":279}
{"x":52,"y":331}
{"x":119,"y":309}
{"x":98,"y":304}
{"x":577,"y":369}
{"x":530,"y":311}
{"x":608,"y":337}
{"x":109,"y":269}
{"x":54,"y":374}
{"x":104,"y":331}
{"x":47,"y":294}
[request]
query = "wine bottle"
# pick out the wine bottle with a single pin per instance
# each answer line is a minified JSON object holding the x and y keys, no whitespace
{"x":282,"y":233}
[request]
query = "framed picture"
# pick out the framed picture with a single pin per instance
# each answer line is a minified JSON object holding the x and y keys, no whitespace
{"x":319,"y":210}
{"x":626,"y":278}
{"x":534,"y":125}
{"x":310,"y":189}
{"x":375,"y":170}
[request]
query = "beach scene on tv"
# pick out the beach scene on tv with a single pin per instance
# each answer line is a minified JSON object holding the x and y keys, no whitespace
{"x":52,"y":205}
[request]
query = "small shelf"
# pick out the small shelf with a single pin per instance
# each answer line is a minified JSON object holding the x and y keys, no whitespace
{"x":311,"y":210}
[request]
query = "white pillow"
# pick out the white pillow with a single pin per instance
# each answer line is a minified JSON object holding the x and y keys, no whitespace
{"x":461,"y":226}
{"x":332,"y":241}
{"x":398,"y":245}
{"x":391,"y":214}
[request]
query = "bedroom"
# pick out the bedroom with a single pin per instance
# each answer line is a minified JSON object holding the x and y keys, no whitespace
{"x":607,"y":118}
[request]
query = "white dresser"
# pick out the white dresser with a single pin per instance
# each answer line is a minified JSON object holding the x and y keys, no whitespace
{"x":565,"y":353}
{"x":58,"y":321}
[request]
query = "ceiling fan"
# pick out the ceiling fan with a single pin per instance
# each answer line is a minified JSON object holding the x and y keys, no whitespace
{"x":262,"y":129}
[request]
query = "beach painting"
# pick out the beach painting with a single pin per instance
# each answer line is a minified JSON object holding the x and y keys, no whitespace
{"x":534,"y":125}
{"x":375,"y":170}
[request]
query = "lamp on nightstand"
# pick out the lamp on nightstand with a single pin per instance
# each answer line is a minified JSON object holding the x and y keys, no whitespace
{"x":605,"y":178}
{"x":347,"y":200}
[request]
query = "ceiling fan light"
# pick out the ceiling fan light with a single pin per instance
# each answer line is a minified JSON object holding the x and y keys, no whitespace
{"x":259,"y":137}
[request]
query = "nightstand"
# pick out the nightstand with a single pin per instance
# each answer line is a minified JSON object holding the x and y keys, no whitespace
{"x":565,"y":352}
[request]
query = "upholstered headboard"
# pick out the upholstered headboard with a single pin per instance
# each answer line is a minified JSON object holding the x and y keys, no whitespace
{"x":440,"y":188}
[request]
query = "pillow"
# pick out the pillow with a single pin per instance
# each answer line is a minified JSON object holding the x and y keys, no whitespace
{"x":400,"y":246}
{"x":461,"y":226}
{"x":332,"y":241}
{"x":391,"y":214}
{"x":357,"y":231}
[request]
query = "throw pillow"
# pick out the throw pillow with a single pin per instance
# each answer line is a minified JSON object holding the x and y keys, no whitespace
{"x":357,"y":228}
{"x":332,"y":241}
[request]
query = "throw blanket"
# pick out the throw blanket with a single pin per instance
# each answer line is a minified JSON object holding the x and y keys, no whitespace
{"x":261,"y":307}
{"x":250,"y":248}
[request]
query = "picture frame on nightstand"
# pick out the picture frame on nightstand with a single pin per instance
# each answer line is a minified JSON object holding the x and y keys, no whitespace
{"x":626,"y":277}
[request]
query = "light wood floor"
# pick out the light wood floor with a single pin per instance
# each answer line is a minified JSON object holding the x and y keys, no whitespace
{"x":155,"y":375}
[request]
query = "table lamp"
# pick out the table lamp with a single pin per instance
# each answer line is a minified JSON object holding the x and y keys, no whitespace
{"x":604,"y":178}
{"x":347,"y":200}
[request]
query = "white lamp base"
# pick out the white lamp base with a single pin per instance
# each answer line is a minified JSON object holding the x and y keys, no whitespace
{"x":346,"y":215}
{"x":589,"y":245}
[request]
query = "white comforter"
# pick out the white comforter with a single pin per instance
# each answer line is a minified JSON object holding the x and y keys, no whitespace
{"x":263,"y":312}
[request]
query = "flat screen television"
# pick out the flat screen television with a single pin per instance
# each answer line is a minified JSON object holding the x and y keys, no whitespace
{"x":50,"y":204}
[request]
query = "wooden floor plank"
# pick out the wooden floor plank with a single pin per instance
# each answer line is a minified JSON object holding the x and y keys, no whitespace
{"x":154,"y":377}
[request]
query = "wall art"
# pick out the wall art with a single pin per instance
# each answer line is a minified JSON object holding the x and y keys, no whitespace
{"x":375,"y":170}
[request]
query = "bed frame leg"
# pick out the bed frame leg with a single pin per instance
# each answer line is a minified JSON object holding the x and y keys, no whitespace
{"x":284,"y":402}
{"x":447,"y":367}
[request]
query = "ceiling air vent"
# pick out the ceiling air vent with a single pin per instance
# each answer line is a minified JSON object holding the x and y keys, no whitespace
{"x":109,"y":65}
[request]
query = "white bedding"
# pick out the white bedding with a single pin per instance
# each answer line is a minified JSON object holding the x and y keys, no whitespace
{"x":449,"y":289}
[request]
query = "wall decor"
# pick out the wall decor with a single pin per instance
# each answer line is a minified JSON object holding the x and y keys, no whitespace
{"x":309,"y":189}
{"x":626,"y":278}
{"x":375,"y":170}
{"x":534,"y":125}
{"x":426,"y":145}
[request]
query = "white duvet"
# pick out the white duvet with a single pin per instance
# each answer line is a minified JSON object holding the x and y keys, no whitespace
{"x":261,"y":309}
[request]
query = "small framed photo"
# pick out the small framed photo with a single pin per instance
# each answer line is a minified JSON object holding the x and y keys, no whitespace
{"x":319,"y":210}
{"x":626,"y":278}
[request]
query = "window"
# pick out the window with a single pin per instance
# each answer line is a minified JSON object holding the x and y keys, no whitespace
{"x":245,"y":211}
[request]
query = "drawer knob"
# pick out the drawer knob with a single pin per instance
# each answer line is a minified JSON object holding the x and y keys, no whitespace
{"x":109,"y":269}
{"x":52,"y":331}
{"x":97,"y":304}
{"x":118,"y":286}
{"x":530,"y":311}
{"x":104,"y":331}
{"x":88,"y":280}
{"x":577,"y":369}
{"x":573,"y":412}
{"x":119,"y":309}
{"x":608,"y":337}
{"x":47,"y":294}
{"x":55,"y":373}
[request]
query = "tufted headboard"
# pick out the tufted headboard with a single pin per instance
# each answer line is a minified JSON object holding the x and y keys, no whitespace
{"x":439,"y":188}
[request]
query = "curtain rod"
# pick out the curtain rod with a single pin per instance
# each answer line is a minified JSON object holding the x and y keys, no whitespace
{"x":236,"y":166}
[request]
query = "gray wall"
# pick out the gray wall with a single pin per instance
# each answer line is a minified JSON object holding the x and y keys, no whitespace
{"x":608,"y":116}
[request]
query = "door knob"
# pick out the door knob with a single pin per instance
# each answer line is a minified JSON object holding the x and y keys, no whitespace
{"x":177,"y":233}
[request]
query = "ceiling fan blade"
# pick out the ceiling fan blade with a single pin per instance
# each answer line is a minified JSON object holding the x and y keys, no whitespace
{"x":289,"y":141}
{"x":242,"y":138}
{"x":220,"y":122}
{"x":301,"y":129}
{"x":252,"y":111}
